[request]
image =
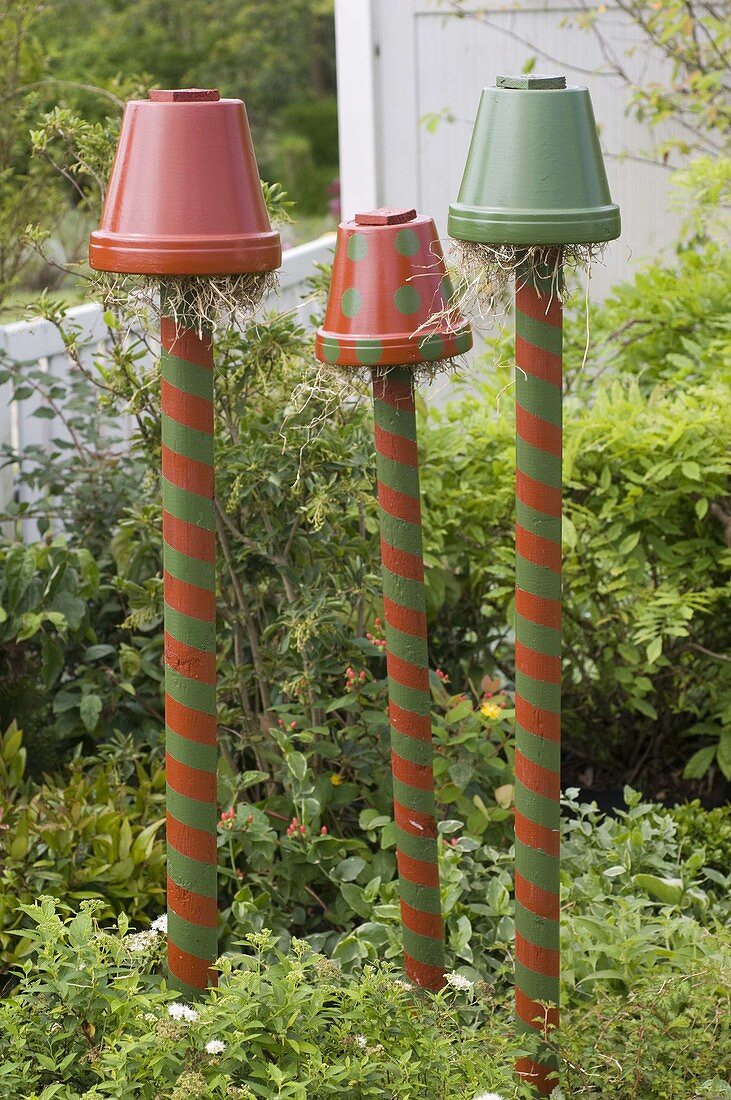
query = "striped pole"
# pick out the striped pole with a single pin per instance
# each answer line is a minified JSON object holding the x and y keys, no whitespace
{"x":538,"y":328}
{"x":189,"y":556}
{"x":412,"y":754}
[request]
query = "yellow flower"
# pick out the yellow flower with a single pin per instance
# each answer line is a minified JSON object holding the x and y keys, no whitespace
{"x":490,"y":710}
{"x":336,"y":780}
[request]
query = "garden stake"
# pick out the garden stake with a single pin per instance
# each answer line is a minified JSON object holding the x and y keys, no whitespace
{"x":390,"y":280}
{"x":189,"y":586}
{"x":533,"y":192}
{"x":204,"y":241}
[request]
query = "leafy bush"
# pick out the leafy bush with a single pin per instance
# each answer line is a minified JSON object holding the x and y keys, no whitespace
{"x":669,"y":327}
{"x":68,"y":671}
{"x":664,"y":1040}
{"x":306,"y":157}
{"x":306,"y":850}
{"x":306,"y":847}
{"x":647,"y":586}
{"x":709,"y":830}
{"x":95,"y":833}
{"x":92,"y":1017}
{"x":646,"y":689}
{"x":90,"y":1020}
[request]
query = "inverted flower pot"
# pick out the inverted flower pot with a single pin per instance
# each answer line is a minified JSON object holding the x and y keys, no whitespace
{"x":185,"y":196}
{"x":535,"y":173}
{"x":390,"y":295}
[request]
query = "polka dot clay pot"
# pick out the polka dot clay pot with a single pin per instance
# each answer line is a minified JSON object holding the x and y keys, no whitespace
{"x":185,"y":196}
{"x":390,"y":295}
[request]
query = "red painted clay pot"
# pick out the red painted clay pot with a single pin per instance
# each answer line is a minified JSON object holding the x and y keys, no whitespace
{"x":390,"y":295}
{"x":185,"y":196}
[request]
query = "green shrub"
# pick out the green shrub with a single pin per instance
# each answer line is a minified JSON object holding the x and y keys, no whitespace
{"x":95,"y":832}
{"x":89,"y":1019}
{"x":665,"y":1039}
{"x":92,"y":1016}
{"x":669,"y":327}
{"x":647,"y":581}
{"x":705,"y":830}
{"x":305,"y":157}
{"x":68,"y":672}
{"x":307,"y":857}
{"x":306,"y":848}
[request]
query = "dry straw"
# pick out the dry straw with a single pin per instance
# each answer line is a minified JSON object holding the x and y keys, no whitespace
{"x":204,"y":303}
{"x":485,"y":271}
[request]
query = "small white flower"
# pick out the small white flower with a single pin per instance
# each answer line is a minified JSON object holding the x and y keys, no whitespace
{"x":402,"y":984}
{"x":180,"y":1011}
{"x":361,"y":1041}
{"x":458,"y":981}
{"x":150,"y":1017}
{"x":160,"y":924}
{"x":215,"y":1046}
{"x":488,"y":1096}
{"x":140,"y":941}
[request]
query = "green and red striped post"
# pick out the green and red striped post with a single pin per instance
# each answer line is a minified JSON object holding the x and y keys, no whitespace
{"x":185,"y":205}
{"x":390,"y":311}
{"x":404,"y":604}
{"x":189,"y":579}
{"x":533,"y":183}
{"x":538,"y":412}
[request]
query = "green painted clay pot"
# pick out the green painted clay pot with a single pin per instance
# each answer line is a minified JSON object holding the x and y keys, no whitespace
{"x":535,"y":173}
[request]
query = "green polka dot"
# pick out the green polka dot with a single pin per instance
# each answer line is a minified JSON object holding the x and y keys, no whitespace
{"x":406,"y":299}
{"x":330,"y":349}
{"x":447,"y":289}
{"x":357,"y":247}
{"x":463,"y":342}
{"x":432,"y":347}
{"x":351,"y":302}
{"x":369,"y":352}
{"x":408,"y":242}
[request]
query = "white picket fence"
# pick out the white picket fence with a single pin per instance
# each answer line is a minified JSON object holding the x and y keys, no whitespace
{"x":38,"y":342}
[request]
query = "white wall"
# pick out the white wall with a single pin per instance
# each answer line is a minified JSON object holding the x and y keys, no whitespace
{"x":399,"y":60}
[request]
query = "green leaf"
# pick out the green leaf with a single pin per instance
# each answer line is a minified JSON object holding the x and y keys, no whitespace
{"x":628,"y":544}
{"x":297,"y":764}
{"x":345,"y":702}
{"x":569,"y":534}
{"x":20,"y":565}
{"x":90,"y":708}
{"x":643,"y":706}
{"x":28,"y":625}
{"x":372,"y":819}
{"x":354,"y":896}
{"x":144,"y":842}
{"x":52,"y":661}
{"x":458,"y":712}
{"x":699,"y":763}
{"x":654,"y":650}
{"x":724,"y":752}
{"x":349,"y":869}
{"x":94,"y":652}
{"x":11,"y":742}
{"x":667,"y":890}
{"x":71,"y":607}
